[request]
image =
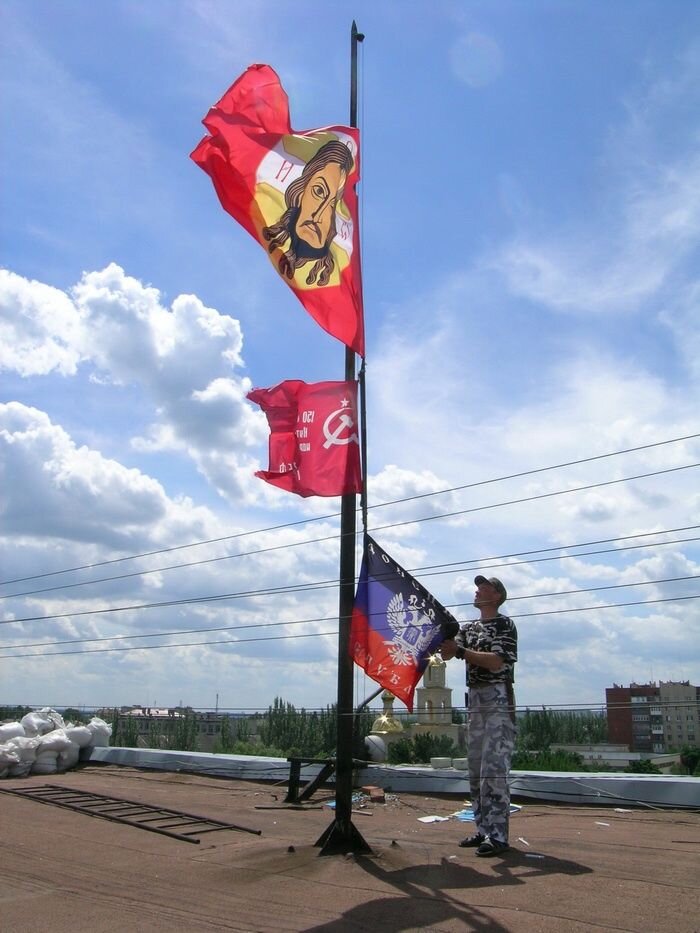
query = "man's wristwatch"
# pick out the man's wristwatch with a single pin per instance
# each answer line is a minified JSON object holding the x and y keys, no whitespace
{"x":460,"y":653}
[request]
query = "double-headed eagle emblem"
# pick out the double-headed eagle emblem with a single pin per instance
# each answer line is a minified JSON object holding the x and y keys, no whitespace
{"x":413,"y":626}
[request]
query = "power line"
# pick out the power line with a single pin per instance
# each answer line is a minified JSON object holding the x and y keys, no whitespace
{"x":596,"y":707}
{"x":653,"y":701}
{"x":187,"y":644}
{"x":495,"y":561}
{"x":192,"y":600}
{"x":641,"y":602}
{"x":144,"y":573}
{"x":614,"y":586}
{"x":557,"y":466}
{"x":328,"y":584}
{"x":188,"y":631}
{"x":414,"y":521}
{"x":544,"y":495}
{"x":49,"y":654}
{"x":562,"y":547}
{"x":236,"y":628}
{"x":306,"y":521}
{"x":167,"y":550}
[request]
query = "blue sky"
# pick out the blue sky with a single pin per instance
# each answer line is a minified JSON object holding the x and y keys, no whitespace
{"x":530,"y":222}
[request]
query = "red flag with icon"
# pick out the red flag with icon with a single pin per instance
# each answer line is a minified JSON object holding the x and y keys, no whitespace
{"x":294,"y":192}
{"x":314,"y":445}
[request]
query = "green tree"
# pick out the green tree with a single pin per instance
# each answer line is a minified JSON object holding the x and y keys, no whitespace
{"x":13,"y":713}
{"x":182,"y":732}
{"x":421,"y":748}
{"x":644,"y":766}
{"x":402,"y":752}
{"x":280,"y":726}
{"x":312,"y":734}
{"x":227,"y":737}
{"x":155,"y":737}
{"x":125,"y":732}
{"x":538,"y":729}
{"x":111,"y":717}
{"x":690,"y":759}
{"x":242,"y":729}
{"x":434,"y":746}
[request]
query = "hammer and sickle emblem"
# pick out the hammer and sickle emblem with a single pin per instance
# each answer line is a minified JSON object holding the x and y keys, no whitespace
{"x":343,"y":424}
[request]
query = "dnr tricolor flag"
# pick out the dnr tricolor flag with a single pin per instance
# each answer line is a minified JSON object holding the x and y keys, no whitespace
{"x":294,"y":192}
{"x":396,"y":624}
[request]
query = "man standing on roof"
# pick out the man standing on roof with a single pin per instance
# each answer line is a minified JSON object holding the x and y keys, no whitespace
{"x":490,"y":648}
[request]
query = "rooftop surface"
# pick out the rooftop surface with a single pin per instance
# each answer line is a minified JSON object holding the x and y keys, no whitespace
{"x":570,"y":868}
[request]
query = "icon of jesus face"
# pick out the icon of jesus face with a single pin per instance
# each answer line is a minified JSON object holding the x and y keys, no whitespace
{"x":308,"y":223}
{"x":317,"y":205}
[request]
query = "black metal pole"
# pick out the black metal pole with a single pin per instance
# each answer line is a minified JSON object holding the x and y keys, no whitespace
{"x":342,"y":835}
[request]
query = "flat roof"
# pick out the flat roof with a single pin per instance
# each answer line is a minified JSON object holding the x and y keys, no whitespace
{"x":574,"y":868}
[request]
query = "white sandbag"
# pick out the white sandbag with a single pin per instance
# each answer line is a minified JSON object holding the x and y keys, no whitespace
{"x":9,"y":730}
{"x":21,"y":769}
{"x":79,"y":735}
{"x":8,"y":758}
{"x":50,"y":716}
{"x":25,"y":746}
{"x":41,"y":721}
{"x":56,"y":741}
{"x":69,"y":758}
{"x":101,"y":731}
{"x":8,"y":754}
{"x":25,"y":749}
{"x":56,"y":719}
{"x":36,"y":724}
{"x":46,"y":763}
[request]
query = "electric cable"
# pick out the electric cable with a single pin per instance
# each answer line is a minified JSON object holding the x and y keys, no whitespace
{"x":532,"y":709}
{"x":306,"y":521}
{"x":330,"y":584}
{"x":526,"y":615}
{"x":230,"y":628}
{"x":413,"y":521}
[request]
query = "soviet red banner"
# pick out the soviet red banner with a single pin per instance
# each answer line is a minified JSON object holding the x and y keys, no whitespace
{"x":314,"y":443}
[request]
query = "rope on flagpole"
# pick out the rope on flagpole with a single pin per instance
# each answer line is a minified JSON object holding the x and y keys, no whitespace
{"x":363,"y":443}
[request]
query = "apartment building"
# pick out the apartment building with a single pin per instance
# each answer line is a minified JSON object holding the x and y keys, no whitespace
{"x":654,"y":718}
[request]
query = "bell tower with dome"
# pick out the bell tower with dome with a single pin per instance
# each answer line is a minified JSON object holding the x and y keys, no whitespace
{"x":433,"y":709}
{"x":434,"y":702}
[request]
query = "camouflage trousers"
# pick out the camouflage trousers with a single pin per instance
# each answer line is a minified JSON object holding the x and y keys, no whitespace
{"x":489,"y":750}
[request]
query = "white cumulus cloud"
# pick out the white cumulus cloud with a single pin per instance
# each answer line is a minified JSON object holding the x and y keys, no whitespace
{"x":183,"y":359}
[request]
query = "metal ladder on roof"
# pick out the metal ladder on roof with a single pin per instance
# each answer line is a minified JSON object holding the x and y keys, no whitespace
{"x":163,"y":820}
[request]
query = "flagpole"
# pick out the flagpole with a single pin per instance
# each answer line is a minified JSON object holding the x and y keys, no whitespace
{"x":342,"y":836}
